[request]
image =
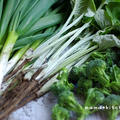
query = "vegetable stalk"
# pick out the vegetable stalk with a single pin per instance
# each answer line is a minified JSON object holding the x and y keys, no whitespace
{"x":5,"y":54}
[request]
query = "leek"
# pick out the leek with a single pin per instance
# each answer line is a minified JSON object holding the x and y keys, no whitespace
{"x":22,"y":21}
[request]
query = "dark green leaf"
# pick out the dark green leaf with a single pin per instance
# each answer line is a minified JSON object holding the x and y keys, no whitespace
{"x":30,"y":39}
{"x":1,"y":7}
{"x":113,"y":10}
{"x":8,"y":11}
{"x":21,"y":9}
{"x":102,"y":19}
{"x":45,"y":22}
{"x":34,"y":15}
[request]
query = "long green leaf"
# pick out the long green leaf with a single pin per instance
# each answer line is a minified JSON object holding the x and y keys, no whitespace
{"x":45,"y":22}
{"x":21,"y":9}
{"x":31,"y":4}
{"x":28,"y":40}
{"x":33,"y":16}
{"x":113,"y":10}
{"x":6,"y":17}
{"x":1,"y":7}
{"x":36,"y":39}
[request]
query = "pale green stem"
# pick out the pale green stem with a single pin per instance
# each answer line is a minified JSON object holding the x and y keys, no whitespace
{"x":56,"y":55}
{"x":12,"y":62}
{"x":52,"y":63}
{"x":47,"y":86}
{"x":68,"y":20}
{"x":73,"y":23}
{"x":5,"y":54}
{"x":36,"y":65}
{"x":40,"y":50}
{"x":55,"y":37}
{"x":83,"y":60}
{"x":71,"y":59}
{"x":29,"y":52}
{"x":36,"y":44}
{"x":102,"y":4}
{"x":82,"y":117}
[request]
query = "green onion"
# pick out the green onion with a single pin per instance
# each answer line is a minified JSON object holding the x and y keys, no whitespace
{"x":19,"y":26}
{"x":5,"y":19}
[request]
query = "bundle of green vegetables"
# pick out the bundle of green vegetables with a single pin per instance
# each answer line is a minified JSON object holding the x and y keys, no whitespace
{"x":97,"y":81}
{"x":35,"y":47}
{"x":24,"y":25}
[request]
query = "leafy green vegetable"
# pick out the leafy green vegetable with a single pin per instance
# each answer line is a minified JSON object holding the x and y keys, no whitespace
{"x":116,"y":71}
{"x":115,"y":86}
{"x":96,"y":71}
{"x":69,"y":46}
{"x":102,"y":19}
{"x":106,"y":41}
{"x":83,"y":85}
{"x":43,"y":23}
{"x":68,"y":100}
{"x":60,"y":113}
{"x":84,"y":6}
{"x":33,"y":16}
{"x":63,"y":84}
{"x":112,"y":100}
{"x":98,"y":55}
{"x":94,"y":99}
{"x":19,"y":25}
{"x":76,"y":72}
{"x":110,"y":57}
{"x":113,"y":9}
{"x":29,"y":40}
{"x":108,"y":1}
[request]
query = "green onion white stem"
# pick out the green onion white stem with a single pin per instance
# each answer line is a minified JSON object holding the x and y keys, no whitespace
{"x":19,"y":26}
{"x":60,"y":51}
{"x":25,"y":52}
{"x":40,"y":50}
{"x":69,"y":60}
{"x":82,"y":60}
{"x":41,"y":61}
{"x":71,"y":25}
{"x":47,"y":86}
{"x":12,"y":62}
{"x":38,"y":63}
{"x":53,"y":63}
{"x":5,"y":54}
{"x":82,"y":48}
{"x":62,"y":48}
{"x":62,"y":64}
{"x":55,"y":37}
{"x":5,"y":85}
{"x":43,"y":57}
